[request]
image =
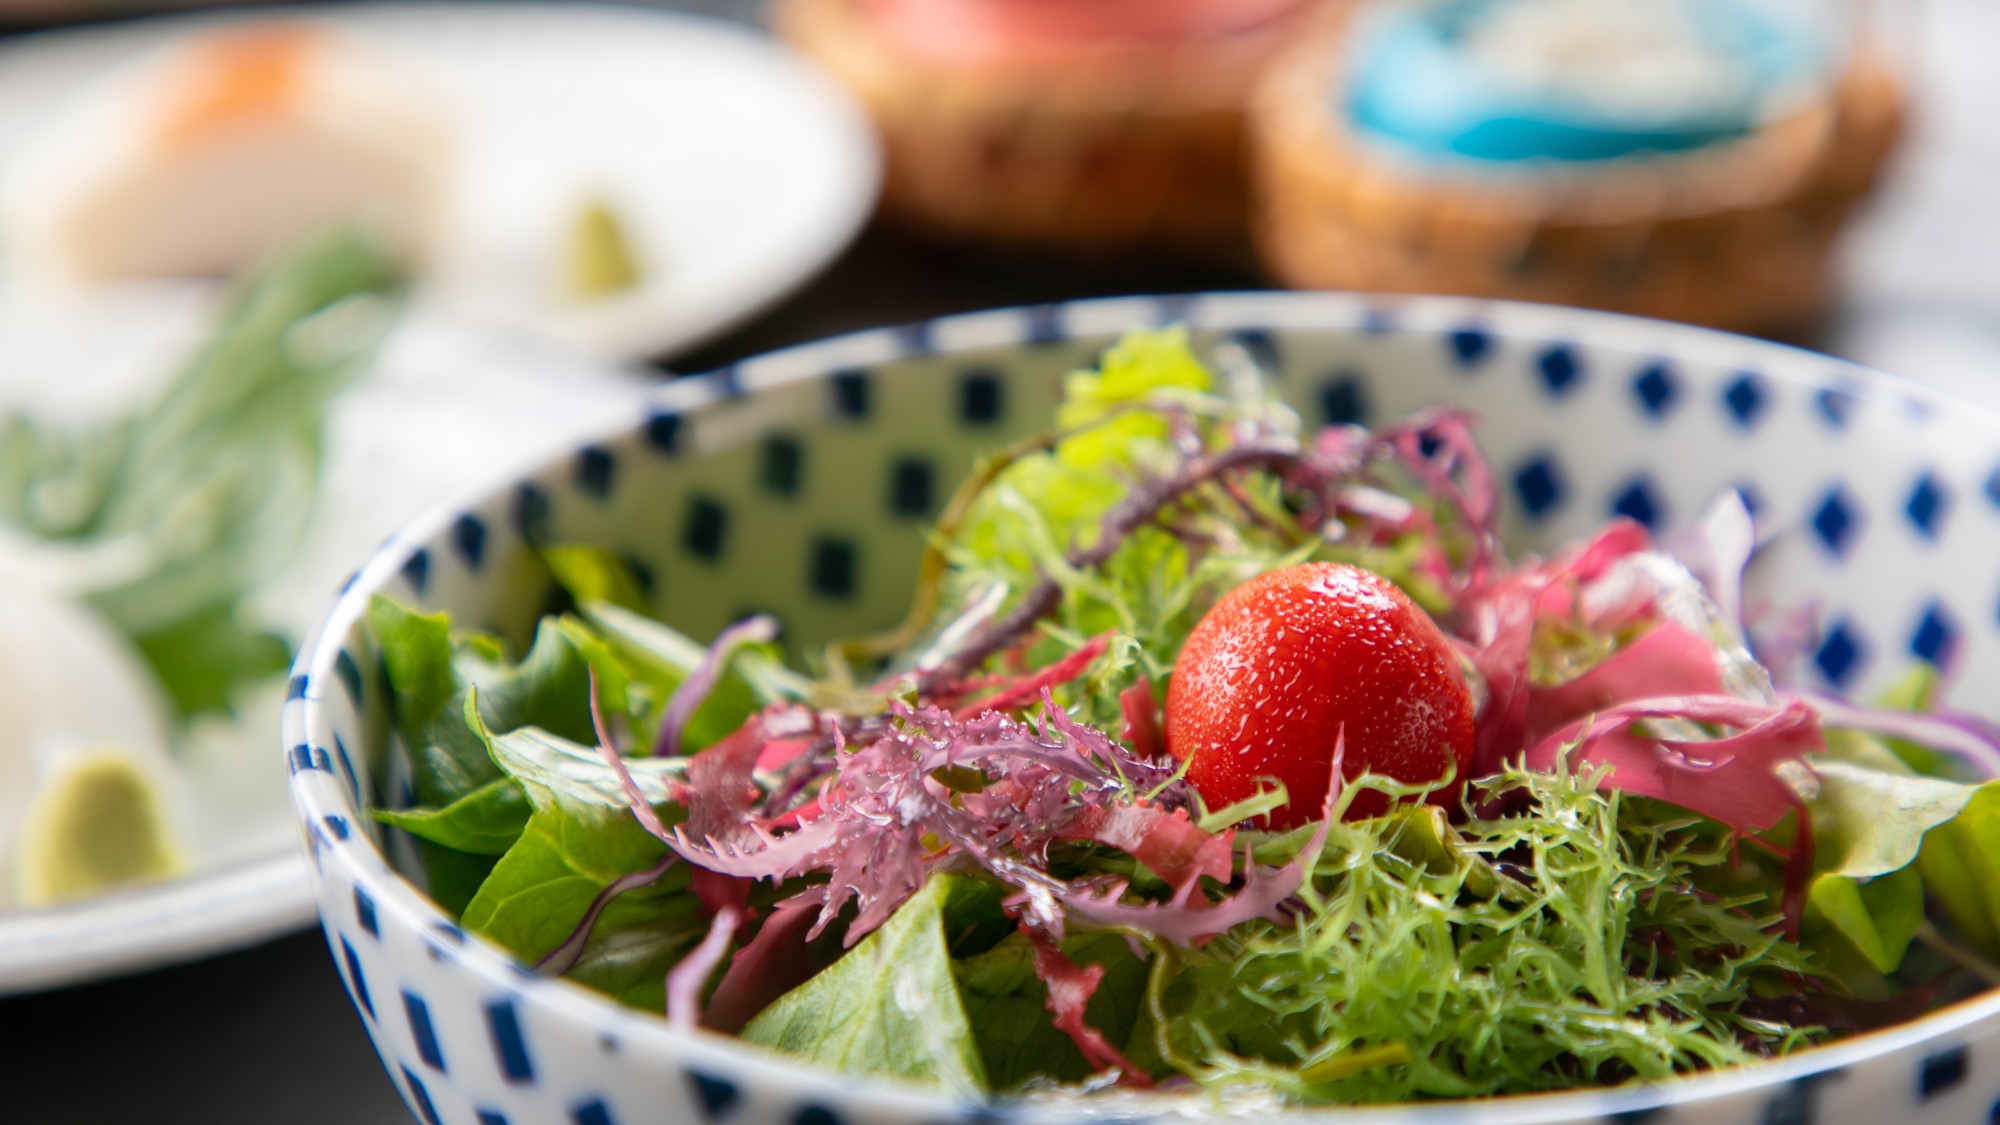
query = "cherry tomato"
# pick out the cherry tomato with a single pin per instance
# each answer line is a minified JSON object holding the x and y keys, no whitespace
{"x":1287,"y":662}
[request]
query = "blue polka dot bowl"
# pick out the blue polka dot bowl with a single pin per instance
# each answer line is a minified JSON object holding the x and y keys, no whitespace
{"x":800,"y":483}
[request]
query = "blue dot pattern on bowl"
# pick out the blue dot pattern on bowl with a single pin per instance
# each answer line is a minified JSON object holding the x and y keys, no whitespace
{"x":799,"y":483}
{"x":1657,"y":389}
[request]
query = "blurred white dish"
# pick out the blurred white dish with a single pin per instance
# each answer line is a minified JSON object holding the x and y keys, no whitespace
{"x":736,"y":171}
{"x":223,"y":146}
{"x":448,"y":406}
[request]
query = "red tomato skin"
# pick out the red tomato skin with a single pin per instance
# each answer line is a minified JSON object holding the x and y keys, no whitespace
{"x":1286,"y":662}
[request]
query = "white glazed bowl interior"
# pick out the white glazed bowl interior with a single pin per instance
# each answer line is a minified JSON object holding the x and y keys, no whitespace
{"x":800,"y":483}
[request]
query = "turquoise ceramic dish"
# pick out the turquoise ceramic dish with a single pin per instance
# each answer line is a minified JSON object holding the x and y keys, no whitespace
{"x":1415,"y":83}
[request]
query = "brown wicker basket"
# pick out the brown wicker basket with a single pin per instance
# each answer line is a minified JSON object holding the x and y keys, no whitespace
{"x":1136,"y":147}
{"x":1737,"y":236}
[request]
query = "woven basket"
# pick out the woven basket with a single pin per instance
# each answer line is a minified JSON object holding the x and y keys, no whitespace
{"x":1737,"y":236}
{"x":1128,"y":148}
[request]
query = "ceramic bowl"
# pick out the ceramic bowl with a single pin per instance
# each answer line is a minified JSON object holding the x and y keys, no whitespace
{"x":801,"y":482}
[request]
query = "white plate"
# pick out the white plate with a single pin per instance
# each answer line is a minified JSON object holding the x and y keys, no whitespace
{"x":448,"y":406}
{"x":737,"y":170}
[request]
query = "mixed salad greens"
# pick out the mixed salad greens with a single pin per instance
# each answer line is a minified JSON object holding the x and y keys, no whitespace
{"x":1005,"y":848}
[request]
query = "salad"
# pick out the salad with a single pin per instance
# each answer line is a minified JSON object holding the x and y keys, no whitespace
{"x":1217,"y":753}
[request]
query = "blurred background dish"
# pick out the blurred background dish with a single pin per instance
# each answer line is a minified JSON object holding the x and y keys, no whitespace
{"x":225,"y":145}
{"x":184,"y":484}
{"x":1693,"y":159}
{"x":1092,"y":129}
{"x":187,"y":466}
{"x":505,"y":145}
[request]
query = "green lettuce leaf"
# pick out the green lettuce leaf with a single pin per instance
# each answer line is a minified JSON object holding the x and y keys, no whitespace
{"x":486,"y":821}
{"x":642,"y":936}
{"x":1876,"y":917}
{"x":466,"y":813}
{"x":416,"y":653}
{"x":580,"y":837}
{"x":548,"y":689}
{"x":1870,"y":822}
{"x":658,"y":658}
{"x":1961,"y":868}
{"x":481,"y":793}
{"x":1890,"y":825}
{"x":539,"y":892}
{"x":890,"y":1006}
{"x":617,"y":691}
{"x":1006,"y":1003}
{"x":454,"y":877}
{"x":552,"y":768}
{"x":592,"y":574}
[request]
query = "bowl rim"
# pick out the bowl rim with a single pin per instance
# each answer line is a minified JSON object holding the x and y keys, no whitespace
{"x":316,"y":795}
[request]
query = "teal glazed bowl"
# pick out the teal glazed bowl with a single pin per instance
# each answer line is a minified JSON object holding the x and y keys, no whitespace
{"x":800,"y":483}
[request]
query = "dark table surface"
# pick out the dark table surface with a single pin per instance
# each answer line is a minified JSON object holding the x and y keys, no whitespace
{"x":267,"y":1035}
